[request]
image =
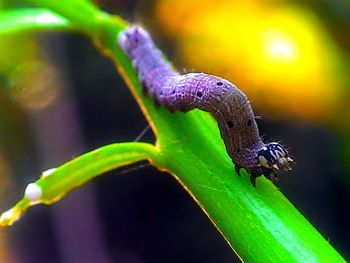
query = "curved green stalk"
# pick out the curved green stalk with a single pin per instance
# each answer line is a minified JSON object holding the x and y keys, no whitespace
{"x":79,"y":12}
{"x":260,"y":224}
{"x":57,"y":182}
{"x":30,"y":19}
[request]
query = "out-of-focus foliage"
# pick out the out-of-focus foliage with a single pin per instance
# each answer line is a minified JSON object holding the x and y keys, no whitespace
{"x":31,"y":81}
{"x":280,"y":54}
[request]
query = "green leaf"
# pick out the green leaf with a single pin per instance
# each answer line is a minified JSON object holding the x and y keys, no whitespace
{"x":19,"y":20}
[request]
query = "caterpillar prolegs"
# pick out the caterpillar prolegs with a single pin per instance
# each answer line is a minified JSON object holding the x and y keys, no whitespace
{"x":229,"y":106}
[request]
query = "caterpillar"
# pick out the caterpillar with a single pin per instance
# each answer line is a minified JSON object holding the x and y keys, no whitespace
{"x":229,"y":105}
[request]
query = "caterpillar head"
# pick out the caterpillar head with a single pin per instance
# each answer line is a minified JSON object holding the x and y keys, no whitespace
{"x":274,"y":156}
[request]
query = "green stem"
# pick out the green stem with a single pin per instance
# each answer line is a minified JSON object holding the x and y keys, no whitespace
{"x":87,"y":166}
{"x":57,"y":182}
{"x":30,"y":19}
{"x":80,"y":12}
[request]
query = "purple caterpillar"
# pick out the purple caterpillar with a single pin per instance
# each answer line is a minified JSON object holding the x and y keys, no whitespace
{"x":229,"y":106}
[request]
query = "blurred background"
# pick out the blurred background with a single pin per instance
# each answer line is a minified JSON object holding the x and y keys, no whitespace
{"x":60,"y":98}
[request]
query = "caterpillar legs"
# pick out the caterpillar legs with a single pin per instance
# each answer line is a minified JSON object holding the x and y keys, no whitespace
{"x":253,"y":177}
{"x":237,"y":169}
{"x":268,"y":173}
{"x":144,"y":90}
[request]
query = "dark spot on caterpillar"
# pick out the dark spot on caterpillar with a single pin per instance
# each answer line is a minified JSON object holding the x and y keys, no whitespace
{"x":230,"y":124}
{"x":199,"y":94}
{"x":136,"y":35}
{"x":228,"y":105}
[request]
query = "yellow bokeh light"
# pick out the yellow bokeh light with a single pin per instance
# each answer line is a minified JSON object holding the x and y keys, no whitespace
{"x":278,"y":54}
{"x":32,"y":81}
{"x":279,"y":48}
{"x":35,"y":84}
